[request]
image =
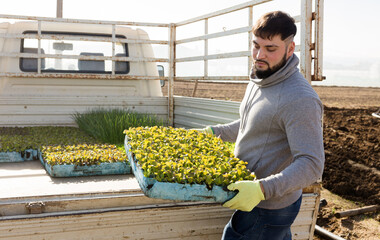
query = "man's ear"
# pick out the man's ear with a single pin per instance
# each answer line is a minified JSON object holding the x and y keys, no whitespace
{"x":291,"y":48}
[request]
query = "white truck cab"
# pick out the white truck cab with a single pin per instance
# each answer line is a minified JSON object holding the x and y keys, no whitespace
{"x":51,"y":68}
{"x":72,"y":41}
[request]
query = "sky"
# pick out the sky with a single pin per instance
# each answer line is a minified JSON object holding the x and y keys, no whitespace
{"x":351,"y":46}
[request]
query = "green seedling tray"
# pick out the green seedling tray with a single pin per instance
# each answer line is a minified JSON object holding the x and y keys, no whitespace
{"x":71,"y":170}
{"x":175,"y":191}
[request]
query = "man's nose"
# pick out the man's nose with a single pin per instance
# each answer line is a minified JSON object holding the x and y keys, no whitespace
{"x":260,"y":54}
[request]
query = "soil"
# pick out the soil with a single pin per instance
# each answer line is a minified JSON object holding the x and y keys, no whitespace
{"x":351,"y":177}
{"x":352,"y":150}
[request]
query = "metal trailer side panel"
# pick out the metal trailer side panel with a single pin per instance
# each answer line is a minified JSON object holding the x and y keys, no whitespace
{"x":52,"y":110}
{"x":187,"y":222}
{"x":193,"y":221}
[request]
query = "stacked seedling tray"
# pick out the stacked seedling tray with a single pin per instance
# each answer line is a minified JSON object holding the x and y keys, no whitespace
{"x":63,"y":151}
{"x":84,"y":160}
{"x":16,"y":145}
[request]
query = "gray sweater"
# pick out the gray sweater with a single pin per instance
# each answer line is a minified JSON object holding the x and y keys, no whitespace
{"x":279,"y":134}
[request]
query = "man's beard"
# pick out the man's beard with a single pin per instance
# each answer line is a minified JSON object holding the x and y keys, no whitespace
{"x":261,"y":74}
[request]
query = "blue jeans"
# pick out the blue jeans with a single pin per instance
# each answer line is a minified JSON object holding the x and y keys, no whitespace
{"x":262,"y":224}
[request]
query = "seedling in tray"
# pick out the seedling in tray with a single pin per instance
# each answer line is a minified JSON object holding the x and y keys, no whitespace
{"x":83,"y":154}
{"x":185,"y":156}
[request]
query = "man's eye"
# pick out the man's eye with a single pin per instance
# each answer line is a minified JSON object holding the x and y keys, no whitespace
{"x":271,"y":49}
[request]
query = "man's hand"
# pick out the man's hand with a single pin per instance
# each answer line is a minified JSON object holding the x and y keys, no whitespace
{"x":249,"y":195}
{"x":207,"y":130}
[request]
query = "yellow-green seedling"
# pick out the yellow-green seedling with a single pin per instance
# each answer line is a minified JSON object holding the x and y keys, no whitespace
{"x":185,"y":156}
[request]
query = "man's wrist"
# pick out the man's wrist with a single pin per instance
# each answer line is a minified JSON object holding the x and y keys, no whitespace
{"x":262,"y":188}
{"x":209,"y":130}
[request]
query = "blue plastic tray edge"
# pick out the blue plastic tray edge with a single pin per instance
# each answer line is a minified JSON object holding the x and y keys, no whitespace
{"x":17,"y":157}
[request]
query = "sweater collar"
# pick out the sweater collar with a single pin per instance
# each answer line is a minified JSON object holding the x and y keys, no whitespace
{"x":283,"y":73}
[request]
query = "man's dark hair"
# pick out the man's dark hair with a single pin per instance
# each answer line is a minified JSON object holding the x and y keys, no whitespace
{"x":275,"y":23}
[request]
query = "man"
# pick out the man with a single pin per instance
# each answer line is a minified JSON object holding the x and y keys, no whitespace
{"x":279,"y":134}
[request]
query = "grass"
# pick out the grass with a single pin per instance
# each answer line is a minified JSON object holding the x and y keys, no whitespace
{"x":107,"y":125}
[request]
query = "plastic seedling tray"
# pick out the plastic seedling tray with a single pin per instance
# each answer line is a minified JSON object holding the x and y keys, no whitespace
{"x":26,"y":155}
{"x":175,"y":191}
{"x":71,"y":170}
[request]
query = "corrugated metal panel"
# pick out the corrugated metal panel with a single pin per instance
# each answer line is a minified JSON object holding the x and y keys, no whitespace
{"x":32,"y":111}
{"x":200,"y":112}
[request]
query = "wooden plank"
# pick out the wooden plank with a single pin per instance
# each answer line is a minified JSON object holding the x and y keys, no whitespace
{"x":356,"y":211}
{"x":318,"y":35}
{"x":250,"y":39}
{"x":172,"y":73}
{"x":306,"y":40}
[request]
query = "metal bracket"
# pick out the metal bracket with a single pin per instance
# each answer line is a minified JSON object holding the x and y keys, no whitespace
{"x":317,"y":79}
{"x":35,"y":207}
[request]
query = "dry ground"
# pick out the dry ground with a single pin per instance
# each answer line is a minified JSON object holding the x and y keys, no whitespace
{"x":351,"y":176}
{"x":341,"y":97}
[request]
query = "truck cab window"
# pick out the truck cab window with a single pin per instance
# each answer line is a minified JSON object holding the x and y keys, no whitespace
{"x":95,"y":49}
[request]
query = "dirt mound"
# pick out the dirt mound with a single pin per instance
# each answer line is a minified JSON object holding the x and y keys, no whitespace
{"x":352,"y":147}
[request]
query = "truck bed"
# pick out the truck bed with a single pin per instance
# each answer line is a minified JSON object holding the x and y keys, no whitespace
{"x":29,"y":178}
{"x":34,"y":206}
{"x":27,"y":189}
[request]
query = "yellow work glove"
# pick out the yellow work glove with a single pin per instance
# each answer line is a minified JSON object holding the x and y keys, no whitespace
{"x":207,"y":130}
{"x":249,"y":195}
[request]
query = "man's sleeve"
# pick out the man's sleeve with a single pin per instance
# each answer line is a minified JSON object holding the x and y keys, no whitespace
{"x":302,"y":121}
{"x":227,"y":132}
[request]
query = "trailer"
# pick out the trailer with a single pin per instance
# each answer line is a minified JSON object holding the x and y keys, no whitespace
{"x":52,"y":67}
